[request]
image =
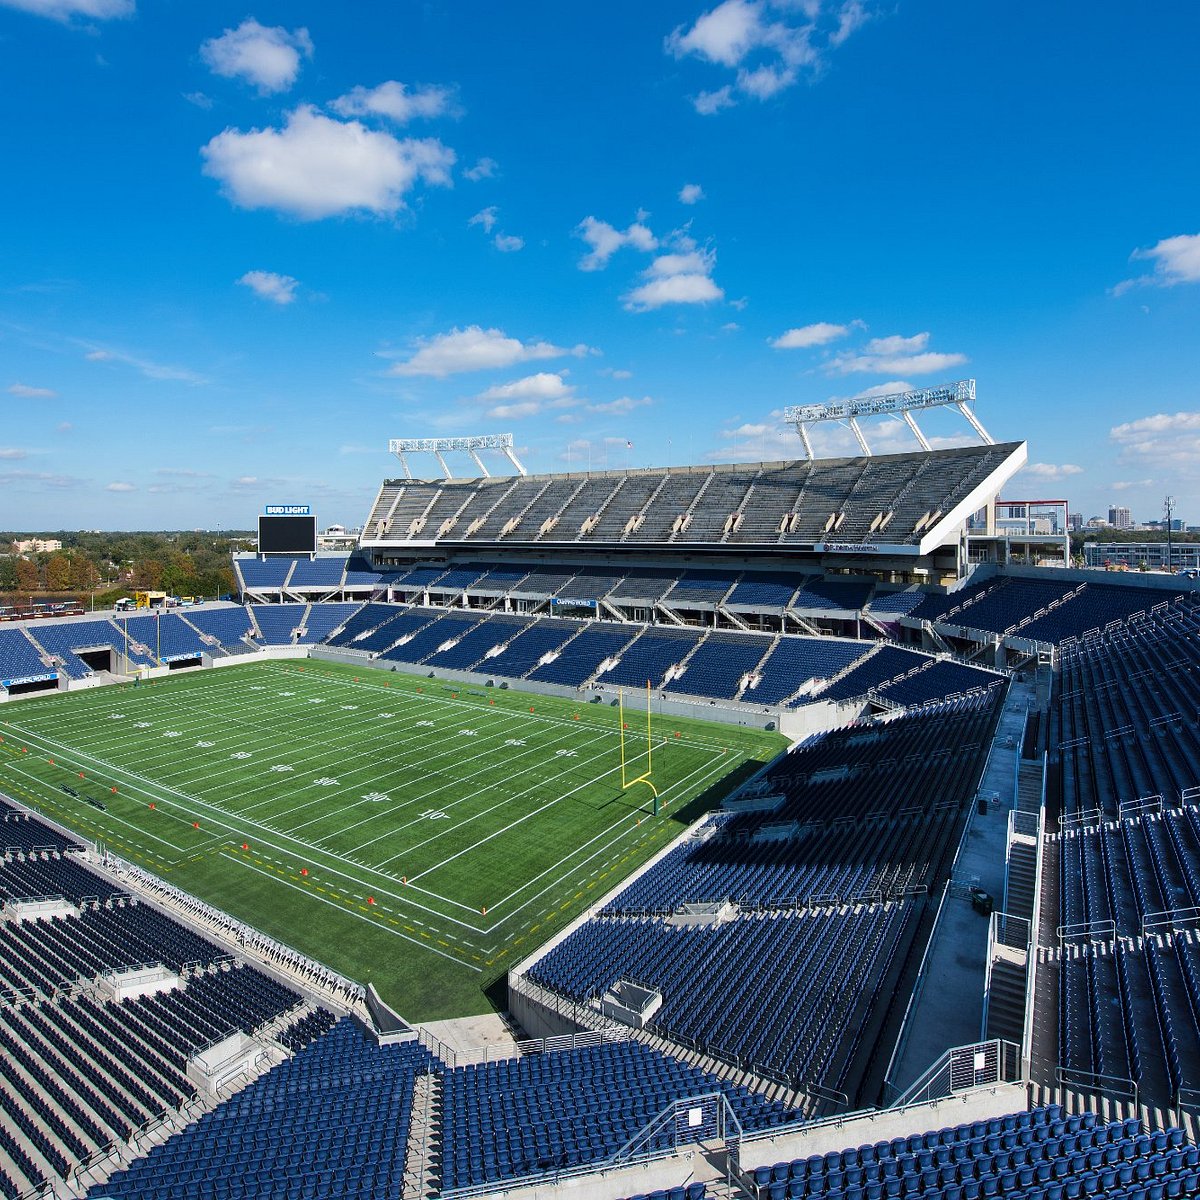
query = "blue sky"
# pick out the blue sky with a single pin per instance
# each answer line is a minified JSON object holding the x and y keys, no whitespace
{"x":242,"y":247}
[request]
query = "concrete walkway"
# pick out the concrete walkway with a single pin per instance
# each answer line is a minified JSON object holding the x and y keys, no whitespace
{"x":948,"y":1011}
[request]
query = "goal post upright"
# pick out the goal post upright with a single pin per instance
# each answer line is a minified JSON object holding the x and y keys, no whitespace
{"x":645,"y":777}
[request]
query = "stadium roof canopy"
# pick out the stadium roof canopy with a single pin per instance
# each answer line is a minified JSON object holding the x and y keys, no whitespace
{"x":893,"y":504}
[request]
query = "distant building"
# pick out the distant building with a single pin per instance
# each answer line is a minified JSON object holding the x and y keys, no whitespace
{"x":1119,"y":517}
{"x":1134,"y":556}
{"x":37,"y":546}
{"x":338,"y":537}
{"x":1075,"y":521}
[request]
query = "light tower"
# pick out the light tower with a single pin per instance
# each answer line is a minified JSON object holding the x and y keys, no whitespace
{"x":902,"y":403}
{"x":1168,"y":512}
{"x":402,"y":447}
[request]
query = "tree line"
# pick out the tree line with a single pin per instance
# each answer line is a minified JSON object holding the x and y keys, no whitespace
{"x":194,"y":563}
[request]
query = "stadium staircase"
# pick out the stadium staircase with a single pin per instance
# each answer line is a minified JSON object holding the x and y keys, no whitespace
{"x":255,"y":631}
{"x":418,"y":1168}
{"x":806,"y":625}
{"x":756,"y":674}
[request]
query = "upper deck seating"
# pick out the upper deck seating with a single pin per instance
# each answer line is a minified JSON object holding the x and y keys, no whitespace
{"x":319,"y":572}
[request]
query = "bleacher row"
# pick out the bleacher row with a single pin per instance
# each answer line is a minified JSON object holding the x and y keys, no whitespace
{"x":1125,"y":758}
{"x":893,"y":497}
{"x":80,"y":1073}
{"x":717,"y":664}
{"x":835,"y":871}
{"x":762,"y":669}
{"x":1038,"y":1155}
{"x":1043,"y":609}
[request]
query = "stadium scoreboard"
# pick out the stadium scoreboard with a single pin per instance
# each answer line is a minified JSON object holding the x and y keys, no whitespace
{"x":287,"y":529}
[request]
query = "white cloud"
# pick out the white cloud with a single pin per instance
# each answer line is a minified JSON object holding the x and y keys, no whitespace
{"x":280,"y":289}
{"x":673,"y":289}
{"x":1125,"y":485}
{"x":43,"y":478}
{"x":485,"y":217}
{"x":484,"y":168}
{"x":1164,"y":438}
{"x":63,"y":427}
{"x":1175,"y":259}
{"x":160,"y":372}
{"x":691,"y":262}
{"x":12,"y":454}
{"x":892,"y":388}
{"x":678,"y":278}
{"x":691,"y":193}
{"x":64,"y":10}
{"x":26,"y":392}
{"x":508,"y":243}
{"x":544,"y":386}
{"x":476,"y":349}
{"x":709,"y":103}
{"x":199,"y":99}
{"x":819,"y":334}
{"x":317,"y":167}
{"x":396,"y":102}
{"x":887,"y":355}
{"x":268,"y":57}
{"x":524,"y":408}
{"x":621,"y":405}
{"x":725,"y":35}
{"x":605,"y":240}
{"x":616,"y":373}
{"x":764,"y":82}
{"x":120,"y":487}
{"x":768,"y":43}
{"x":1052,"y":470}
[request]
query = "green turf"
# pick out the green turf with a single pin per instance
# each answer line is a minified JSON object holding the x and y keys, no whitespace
{"x":421,"y":835}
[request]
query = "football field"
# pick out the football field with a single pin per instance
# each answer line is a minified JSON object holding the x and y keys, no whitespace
{"x":408,"y":831}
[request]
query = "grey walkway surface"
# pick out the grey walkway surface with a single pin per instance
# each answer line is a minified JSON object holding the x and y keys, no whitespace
{"x":948,"y":1011}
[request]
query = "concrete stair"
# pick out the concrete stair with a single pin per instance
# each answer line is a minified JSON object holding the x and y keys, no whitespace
{"x":1006,"y":1002}
{"x":1022,"y":880}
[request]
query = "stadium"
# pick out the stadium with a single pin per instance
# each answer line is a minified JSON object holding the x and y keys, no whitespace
{"x":767,"y":830}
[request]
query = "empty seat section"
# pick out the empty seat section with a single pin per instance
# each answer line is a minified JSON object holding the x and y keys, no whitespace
{"x":582,"y":656}
{"x":324,"y":571}
{"x":472,"y":645}
{"x":426,"y":640}
{"x":259,"y":573}
{"x":797,"y":660}
{"x":528,"y":646}
{"x":228,"y":625}
{"x":650,"y":657}
{"x":20,"y":659}
{"x":278,"y":622}
{"x":702,"y":587}
{"x":765,"y":589}
{"x":833,"y":595}
{"x":369,"y":617}
{"x":719,"y":665}
{"x":167,"y":635}
{"x":323,"y":619}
